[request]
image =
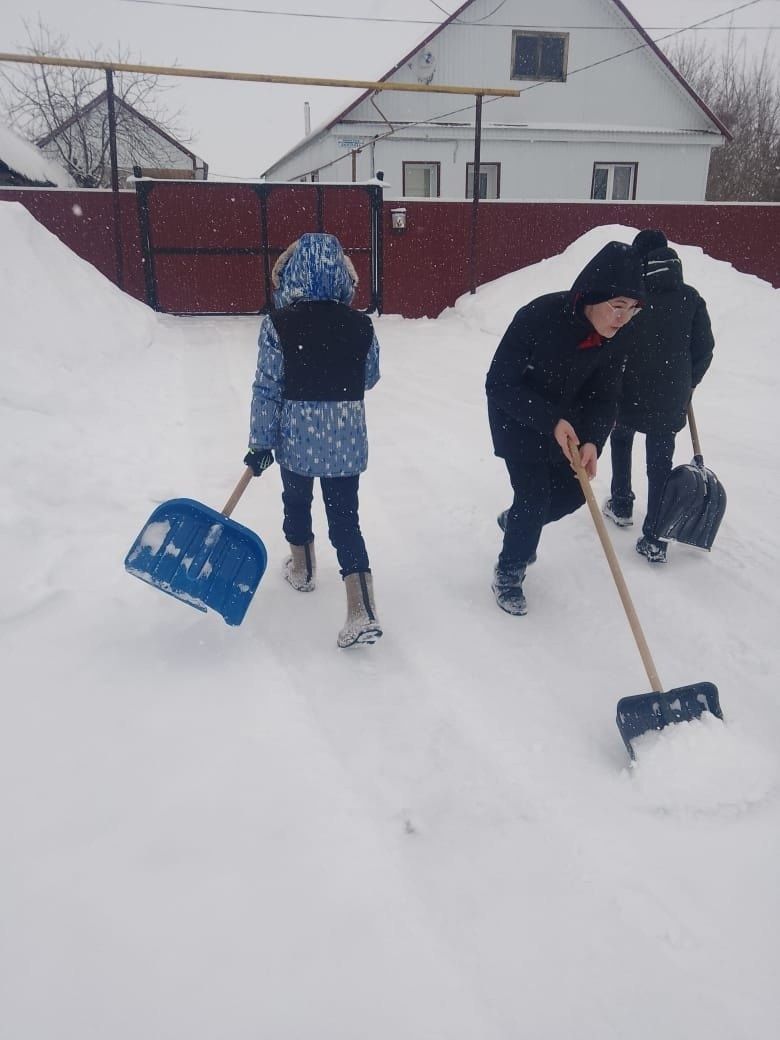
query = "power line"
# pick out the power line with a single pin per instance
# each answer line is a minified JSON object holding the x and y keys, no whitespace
{"x":481,"y":24}
{"x":533,"y":86}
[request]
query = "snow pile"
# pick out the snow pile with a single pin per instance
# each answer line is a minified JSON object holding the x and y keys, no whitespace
{"x":703,"y":767}
{"x":77,"y":361}
{"x":74,"y":328}
{"x":23,"y":157}
{"x":439,"y":837}
{"x":730,"y":295}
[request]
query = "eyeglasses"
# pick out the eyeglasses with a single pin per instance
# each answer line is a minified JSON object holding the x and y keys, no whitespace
{"x":624,"y":312}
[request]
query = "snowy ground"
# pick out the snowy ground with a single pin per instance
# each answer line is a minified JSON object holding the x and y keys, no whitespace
{"x":212,"y":832}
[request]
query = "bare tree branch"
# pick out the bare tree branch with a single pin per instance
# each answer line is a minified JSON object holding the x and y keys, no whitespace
{"x":39,"y":99}
{"x":744,"y":93}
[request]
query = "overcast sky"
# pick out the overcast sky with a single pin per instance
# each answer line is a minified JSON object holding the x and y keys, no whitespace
{"x":239,"y":129}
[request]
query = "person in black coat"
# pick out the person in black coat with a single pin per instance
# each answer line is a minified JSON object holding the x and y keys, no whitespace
{"x":555,"y":378}
{"x":670,"y":349}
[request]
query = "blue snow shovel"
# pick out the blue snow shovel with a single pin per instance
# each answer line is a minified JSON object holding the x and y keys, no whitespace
{"x":200,"y":556}
{"x":645,"y":712}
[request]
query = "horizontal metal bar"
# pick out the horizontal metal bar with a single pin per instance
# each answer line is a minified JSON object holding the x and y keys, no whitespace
{"x":235,"y":250}
{"x":255,"y":77}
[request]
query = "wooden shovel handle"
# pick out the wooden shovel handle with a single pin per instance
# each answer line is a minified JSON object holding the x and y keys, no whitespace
{"x":617,"y":574}
{"x":694,"y":431}
{"x":238,"y":491}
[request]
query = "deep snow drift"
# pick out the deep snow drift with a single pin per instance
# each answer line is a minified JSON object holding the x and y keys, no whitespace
{"x":246,"y":833}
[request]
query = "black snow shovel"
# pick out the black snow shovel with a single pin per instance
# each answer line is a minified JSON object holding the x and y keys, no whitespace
{"x":645,"y":712}
{"x":693,"y":501}
{"x":200,"y":556}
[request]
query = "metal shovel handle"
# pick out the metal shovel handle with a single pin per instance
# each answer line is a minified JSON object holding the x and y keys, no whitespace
{"x":617,"y":574}
{"x":238,"y":491}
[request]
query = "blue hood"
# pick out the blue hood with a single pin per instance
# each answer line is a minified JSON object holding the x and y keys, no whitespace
{"x":313,"y":268}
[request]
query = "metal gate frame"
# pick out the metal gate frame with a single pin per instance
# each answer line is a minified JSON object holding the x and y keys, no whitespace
{"x":145,"y":186}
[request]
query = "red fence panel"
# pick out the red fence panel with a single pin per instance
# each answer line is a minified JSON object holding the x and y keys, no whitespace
{"x":427,"y":266}
{"x":212,"y":245}
{"x":203,"y":247}
{"x":84,"y":221}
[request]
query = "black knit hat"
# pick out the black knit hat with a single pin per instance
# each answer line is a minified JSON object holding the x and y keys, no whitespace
{"x":648,"y":241}
{"x":616,"y":270}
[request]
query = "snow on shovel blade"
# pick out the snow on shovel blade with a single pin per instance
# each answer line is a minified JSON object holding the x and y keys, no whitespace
{"x":692,"y":506}
{"x":199,"y":556}
{"x":646,"y":712}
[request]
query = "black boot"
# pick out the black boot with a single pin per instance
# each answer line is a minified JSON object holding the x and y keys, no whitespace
{"x":654,"y":550}
{"x":508,"y":588}
{"x":619,"y":510}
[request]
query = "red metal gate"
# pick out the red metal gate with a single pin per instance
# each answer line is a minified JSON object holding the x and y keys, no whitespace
{"x":209,"y":247}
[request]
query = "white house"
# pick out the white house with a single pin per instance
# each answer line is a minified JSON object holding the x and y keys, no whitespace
{"x":82,"y":144}
{"x":602,"y":114}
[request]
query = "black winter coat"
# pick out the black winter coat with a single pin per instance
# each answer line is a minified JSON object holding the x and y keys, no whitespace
{"x":541,"y":372}
{"x":669,"y":349}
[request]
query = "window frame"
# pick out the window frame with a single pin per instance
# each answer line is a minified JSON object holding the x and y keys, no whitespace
{"x":537,"y":77}
{"x":611,"y":178}
{"x":421,"y":162}
{"x":470,"y":165}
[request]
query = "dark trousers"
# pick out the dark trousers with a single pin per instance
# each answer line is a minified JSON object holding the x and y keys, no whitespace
{"x":545,"y":489}
{"x":340,"y":495}
{"x":659,"y":449}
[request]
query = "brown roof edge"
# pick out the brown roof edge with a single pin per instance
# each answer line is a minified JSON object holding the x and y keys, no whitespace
{"x":367,"y":93}
{"x":399,"y":64}
{"x":677,"y":75}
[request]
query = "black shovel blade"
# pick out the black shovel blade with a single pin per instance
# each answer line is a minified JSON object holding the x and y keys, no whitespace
{"x":645,"y":712}
{"x":692,"y":506}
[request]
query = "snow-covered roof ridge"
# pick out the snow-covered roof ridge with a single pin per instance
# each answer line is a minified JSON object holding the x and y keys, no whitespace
{"x":24,"y":158}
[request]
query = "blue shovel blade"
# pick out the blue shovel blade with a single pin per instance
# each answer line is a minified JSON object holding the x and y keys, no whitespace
{"x":199,"y":556}
{"x":645,"y":712}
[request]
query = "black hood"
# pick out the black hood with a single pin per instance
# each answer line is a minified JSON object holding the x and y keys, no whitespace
{"x":663,"y":271}
{"x":616,"y":270}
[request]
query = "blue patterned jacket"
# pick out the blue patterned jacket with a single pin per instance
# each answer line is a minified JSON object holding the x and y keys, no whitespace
{"x":315,"y":438}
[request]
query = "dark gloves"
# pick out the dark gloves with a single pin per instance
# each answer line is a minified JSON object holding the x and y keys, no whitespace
{"x":259,"y":459}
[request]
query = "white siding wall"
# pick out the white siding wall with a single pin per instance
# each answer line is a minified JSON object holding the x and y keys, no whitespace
{"x":529,"y":169}
{"x":634,"y":92}
{"x":552,"y":170}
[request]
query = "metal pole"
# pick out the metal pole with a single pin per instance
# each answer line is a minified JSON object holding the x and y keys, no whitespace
{"x":354,"y":165}
{"x":254,"y":77}
{"x":475,"y":194}
{"x":120,"y":271}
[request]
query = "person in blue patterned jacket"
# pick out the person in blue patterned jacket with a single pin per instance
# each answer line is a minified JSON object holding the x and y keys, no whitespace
{"x":316,"y":358}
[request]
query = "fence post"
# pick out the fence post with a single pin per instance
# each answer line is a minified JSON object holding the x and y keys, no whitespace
{"x":475,"y":193}
{"x":120,"y":265}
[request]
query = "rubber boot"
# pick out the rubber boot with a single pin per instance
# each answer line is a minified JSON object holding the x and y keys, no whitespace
{"x":300,"y":568}
{"x":362,"y":626}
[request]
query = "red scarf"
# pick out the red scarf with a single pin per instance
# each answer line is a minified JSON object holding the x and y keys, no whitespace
{"x":592,"y":340}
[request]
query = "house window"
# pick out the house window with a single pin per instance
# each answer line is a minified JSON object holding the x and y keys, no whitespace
{"x":489,"y":180}
{"x":614,"y":181}
{"x":540,"y":56}
{"x":421,"y":179}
